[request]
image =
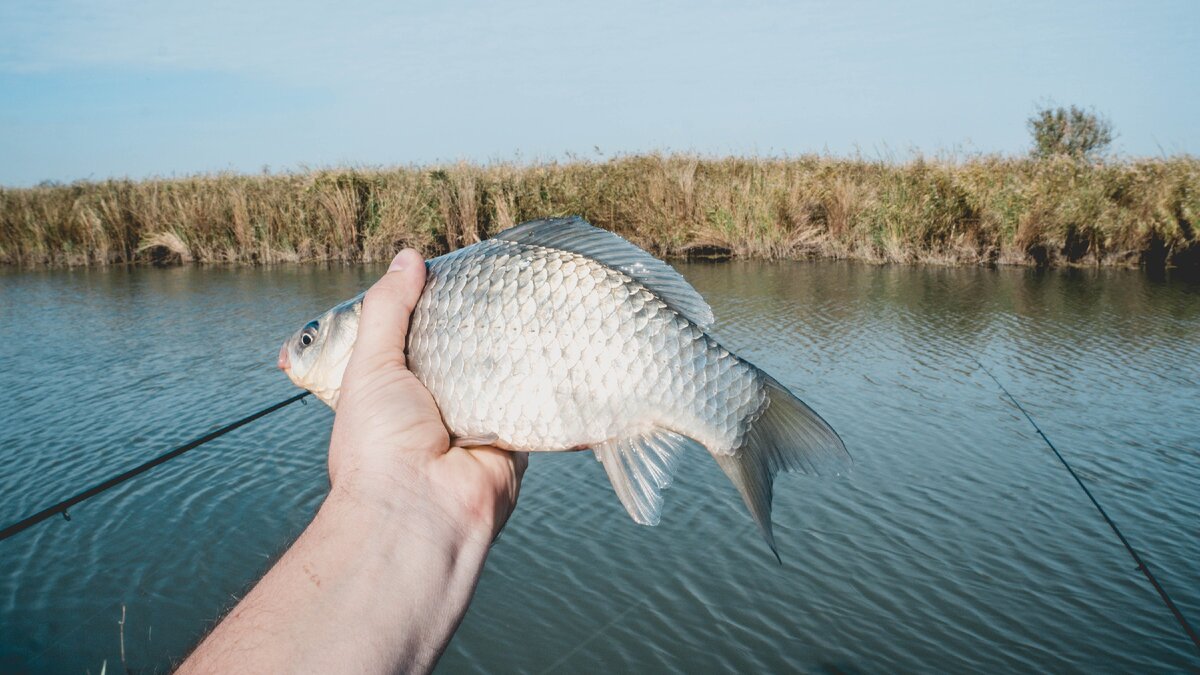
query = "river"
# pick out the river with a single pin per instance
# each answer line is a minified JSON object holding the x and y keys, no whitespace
{"x":956,"y":543}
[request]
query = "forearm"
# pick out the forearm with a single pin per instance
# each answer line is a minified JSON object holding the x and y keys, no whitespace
{"x":370,"y":586}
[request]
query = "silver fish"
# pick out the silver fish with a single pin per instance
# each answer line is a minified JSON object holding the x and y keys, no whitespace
{"x":580,"y":339}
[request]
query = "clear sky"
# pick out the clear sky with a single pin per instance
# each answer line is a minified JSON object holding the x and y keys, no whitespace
{"x":139,"y":88}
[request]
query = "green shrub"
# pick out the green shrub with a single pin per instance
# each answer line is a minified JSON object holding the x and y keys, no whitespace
{"x":1073,"y":132}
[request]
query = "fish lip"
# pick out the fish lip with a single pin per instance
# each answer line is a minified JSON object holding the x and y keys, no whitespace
{"x":284,"y":361}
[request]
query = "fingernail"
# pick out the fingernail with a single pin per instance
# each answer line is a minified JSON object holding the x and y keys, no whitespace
{"x":397,"y":264}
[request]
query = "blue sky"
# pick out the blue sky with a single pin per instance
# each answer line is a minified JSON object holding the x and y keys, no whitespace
{"x":140,"y":88}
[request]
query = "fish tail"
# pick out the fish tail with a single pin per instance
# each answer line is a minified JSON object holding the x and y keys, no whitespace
{"x":787,"y":436}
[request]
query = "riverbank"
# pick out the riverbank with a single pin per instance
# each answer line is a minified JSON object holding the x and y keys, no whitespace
{"x":981,"y":210}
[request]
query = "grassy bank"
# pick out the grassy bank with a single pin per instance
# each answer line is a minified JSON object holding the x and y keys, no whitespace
{"x":980,"y":210}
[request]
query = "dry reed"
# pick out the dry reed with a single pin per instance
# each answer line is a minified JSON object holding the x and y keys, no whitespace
{"x":983,"y":209}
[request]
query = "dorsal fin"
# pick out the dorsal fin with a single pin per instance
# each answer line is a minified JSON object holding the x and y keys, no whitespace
{"x":576,"y":235}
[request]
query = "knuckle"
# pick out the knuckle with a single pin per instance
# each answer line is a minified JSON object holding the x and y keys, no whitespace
{"x":380,"y":295}
{"x":389,"y":294}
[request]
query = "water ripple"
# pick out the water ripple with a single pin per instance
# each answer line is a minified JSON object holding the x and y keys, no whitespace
{"x":957,"y":543}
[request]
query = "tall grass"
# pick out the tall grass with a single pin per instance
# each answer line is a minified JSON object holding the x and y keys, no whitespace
{"x":1051,"y":211}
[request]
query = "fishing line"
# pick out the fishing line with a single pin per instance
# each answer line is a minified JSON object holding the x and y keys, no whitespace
{"x":65,"y":504}
{"x":1141,"y":565}
{"x":593,"y":636}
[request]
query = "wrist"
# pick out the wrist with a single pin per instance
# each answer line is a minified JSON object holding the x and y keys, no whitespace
{"x":395,"y":513}
{"x":413,"y":572}
{"x":418,"y":507}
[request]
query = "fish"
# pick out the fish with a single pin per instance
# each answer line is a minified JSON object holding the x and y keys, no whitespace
{"x":580,"y":340}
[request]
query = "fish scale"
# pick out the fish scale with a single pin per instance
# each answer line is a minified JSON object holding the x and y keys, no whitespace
{"x":585,"y":340}
{"x":556,"y":335}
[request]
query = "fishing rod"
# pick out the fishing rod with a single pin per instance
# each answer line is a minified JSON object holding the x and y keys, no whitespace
{"x":65,"y":504}
{"x":1141,"y":565}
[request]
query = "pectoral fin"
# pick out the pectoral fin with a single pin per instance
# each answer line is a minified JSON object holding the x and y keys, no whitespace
{"x":475,"y":441}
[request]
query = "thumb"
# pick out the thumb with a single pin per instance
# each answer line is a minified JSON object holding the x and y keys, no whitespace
{"x":383,"y":326}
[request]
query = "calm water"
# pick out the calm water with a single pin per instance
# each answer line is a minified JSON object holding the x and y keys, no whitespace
{"x":957,"y":543}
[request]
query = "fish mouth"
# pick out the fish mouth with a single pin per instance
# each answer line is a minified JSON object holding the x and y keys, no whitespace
{"x":285,"y":360}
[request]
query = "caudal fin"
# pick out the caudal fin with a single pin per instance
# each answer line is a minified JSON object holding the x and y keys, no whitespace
{"x":788,"y":436}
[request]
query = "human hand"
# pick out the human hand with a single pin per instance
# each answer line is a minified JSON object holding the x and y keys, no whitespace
{"x":382,"y":576}
{"x":390,"y":447}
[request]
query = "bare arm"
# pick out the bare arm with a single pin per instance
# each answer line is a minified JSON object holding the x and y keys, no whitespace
{"x":381,"y":578}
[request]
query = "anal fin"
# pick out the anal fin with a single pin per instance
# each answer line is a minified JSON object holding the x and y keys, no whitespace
{"x":640,"y":467}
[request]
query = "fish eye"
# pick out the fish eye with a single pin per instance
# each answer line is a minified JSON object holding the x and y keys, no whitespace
{"x":309,"y":334}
